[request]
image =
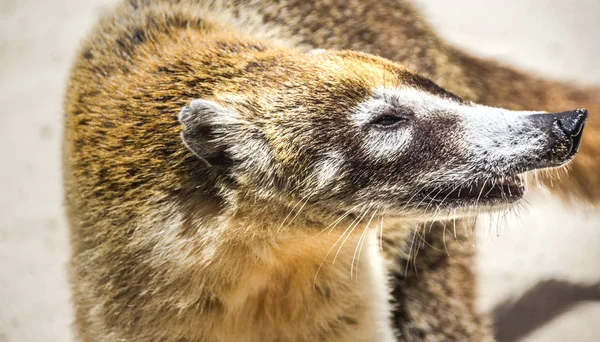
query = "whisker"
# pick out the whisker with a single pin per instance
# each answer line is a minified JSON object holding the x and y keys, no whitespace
{"x":332,"y":226}
{"x":350,"y":233}
{"x":332,"y":247}
{"x":444,"y":240}
{"x":292,"y":210}
{"x":454,"y":223}
{"x":381,"y":234}
{"x":410,"y":249}
{"x":419,"y":191}
{"x":359,"y":249}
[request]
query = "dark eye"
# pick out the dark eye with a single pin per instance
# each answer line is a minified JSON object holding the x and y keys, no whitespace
{"x":387,"y":120}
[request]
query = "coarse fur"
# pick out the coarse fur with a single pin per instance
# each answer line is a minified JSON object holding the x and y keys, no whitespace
{"x":235,"y":221}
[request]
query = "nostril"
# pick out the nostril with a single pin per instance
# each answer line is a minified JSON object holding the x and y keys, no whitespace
{"x":576,"y":140}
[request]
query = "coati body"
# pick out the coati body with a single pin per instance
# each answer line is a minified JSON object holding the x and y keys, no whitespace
{"x":226,"y":182}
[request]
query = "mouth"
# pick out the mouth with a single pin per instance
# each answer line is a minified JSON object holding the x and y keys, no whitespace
{"x":487,"y":192}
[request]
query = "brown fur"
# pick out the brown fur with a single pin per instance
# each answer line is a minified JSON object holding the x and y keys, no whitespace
{"x":124,"y":162}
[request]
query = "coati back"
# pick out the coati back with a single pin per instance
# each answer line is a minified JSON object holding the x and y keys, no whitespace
{"x":225,"y":182}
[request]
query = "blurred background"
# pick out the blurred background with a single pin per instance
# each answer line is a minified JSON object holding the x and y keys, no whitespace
{"x":539,"y":271}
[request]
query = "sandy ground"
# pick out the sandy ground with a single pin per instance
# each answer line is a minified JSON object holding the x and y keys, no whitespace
{"x":37,"y":42}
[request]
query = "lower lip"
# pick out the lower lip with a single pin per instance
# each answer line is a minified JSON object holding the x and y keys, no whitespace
{"x":482,"y":194}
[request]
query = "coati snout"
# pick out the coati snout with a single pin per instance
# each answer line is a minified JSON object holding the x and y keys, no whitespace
{"x":502,"y":146}
{"x":356,"y":131}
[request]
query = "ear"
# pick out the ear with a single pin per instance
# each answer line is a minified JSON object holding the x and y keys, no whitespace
{"x":206,"y":127}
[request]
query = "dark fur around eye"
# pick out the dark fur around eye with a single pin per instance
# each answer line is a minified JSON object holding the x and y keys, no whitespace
{"x":387,"y":120}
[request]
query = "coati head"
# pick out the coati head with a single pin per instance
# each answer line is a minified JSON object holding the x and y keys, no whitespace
{"x":345,"y":130}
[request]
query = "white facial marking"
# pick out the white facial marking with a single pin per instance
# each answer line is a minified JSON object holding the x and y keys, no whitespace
{"x":380,"y":144}
{"x":496,"y":136}
{"x":385,"y":145}
{"x":491,"y":134}
{"x":326,"y":170}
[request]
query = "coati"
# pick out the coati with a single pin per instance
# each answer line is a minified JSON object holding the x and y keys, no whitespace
{"x":233,"y":171}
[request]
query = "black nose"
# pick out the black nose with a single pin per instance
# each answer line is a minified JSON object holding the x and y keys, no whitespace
{"x":572,"y":122}
{"x":564,"y":134}
{"x":568,"y":126}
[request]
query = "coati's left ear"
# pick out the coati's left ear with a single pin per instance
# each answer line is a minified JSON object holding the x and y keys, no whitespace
{"x":207,"y":126}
